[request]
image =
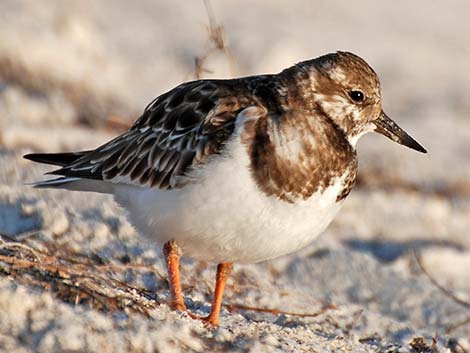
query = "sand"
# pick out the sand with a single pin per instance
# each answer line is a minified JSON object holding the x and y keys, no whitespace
{"x":391,"y":268}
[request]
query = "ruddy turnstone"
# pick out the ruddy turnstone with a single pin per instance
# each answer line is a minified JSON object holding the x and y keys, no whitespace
{"x":240,"y":170}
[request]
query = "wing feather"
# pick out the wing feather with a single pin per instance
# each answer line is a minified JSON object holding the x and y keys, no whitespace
{"x":177,"y":131}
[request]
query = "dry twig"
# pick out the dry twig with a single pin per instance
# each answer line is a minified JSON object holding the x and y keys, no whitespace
{"x":274,"y":311}
{"x":72,"y":279}
{"x":444,"y":290}
{"x":458,"y":325}
{"x":419,"y":345}
{"x":218,"y":44}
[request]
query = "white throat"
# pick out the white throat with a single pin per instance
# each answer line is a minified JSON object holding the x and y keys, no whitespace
{"x":353,"y":139}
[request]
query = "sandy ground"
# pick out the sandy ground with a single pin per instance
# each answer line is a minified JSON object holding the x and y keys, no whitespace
{"x":71,"y":73}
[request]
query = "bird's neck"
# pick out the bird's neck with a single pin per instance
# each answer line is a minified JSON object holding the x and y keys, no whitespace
{"x":298,"y":155}
{"x":296,"y":83}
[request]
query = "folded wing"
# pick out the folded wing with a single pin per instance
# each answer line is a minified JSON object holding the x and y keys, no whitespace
{"x":178,"y":130}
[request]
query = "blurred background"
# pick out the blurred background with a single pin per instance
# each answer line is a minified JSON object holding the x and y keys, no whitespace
{"x":87,"y":62}
{"x":73,"y":74}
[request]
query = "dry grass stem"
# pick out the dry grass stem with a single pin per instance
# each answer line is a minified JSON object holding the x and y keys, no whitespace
{"x":217,"y":43}
{"x":444,"y":290}
{"x":74,"y":278}
{"x":274,"y":311}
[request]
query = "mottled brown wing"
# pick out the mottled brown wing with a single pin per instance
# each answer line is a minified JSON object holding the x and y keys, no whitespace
{"x":179,"y":129}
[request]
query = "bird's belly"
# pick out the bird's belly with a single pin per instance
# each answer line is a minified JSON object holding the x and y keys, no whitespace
{"x":248,"y":228}
{"x":225,"y":217}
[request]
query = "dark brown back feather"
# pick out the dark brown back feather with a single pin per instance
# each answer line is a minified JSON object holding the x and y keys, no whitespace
{"x":179,"y":129}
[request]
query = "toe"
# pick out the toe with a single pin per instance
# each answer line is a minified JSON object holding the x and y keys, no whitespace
{"x":210,"y":321}
{"x":178,"y":306}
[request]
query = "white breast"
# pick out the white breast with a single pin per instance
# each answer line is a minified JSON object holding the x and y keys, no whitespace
{"x":224,"y":217}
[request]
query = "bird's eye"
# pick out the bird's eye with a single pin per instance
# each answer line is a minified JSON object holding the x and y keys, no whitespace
{"x":357,"y":96}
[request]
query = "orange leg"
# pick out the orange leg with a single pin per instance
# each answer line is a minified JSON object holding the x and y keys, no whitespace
{"x":172,"y":256}
{"x":223,"y":273}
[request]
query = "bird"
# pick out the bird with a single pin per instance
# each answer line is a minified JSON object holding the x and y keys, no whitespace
{"x":237,"y":170}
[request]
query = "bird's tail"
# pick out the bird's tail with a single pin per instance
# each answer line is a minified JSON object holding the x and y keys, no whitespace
{"x":66,"y":182}
{"x":60,"y":159}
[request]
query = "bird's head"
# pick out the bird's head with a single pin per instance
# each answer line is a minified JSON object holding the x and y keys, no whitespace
{"x":347,"y":90}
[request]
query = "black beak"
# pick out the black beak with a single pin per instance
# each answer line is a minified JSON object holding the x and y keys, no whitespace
{"x":387,"y":127}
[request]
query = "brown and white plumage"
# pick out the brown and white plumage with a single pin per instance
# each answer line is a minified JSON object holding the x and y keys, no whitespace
{"x":289,"y":137}
{"x":179,"y":129}
{"x":239,"y":170}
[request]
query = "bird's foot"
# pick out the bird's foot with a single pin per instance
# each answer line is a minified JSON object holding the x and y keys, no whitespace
{"x":210,"y":321}
{"x":178,"y":305}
